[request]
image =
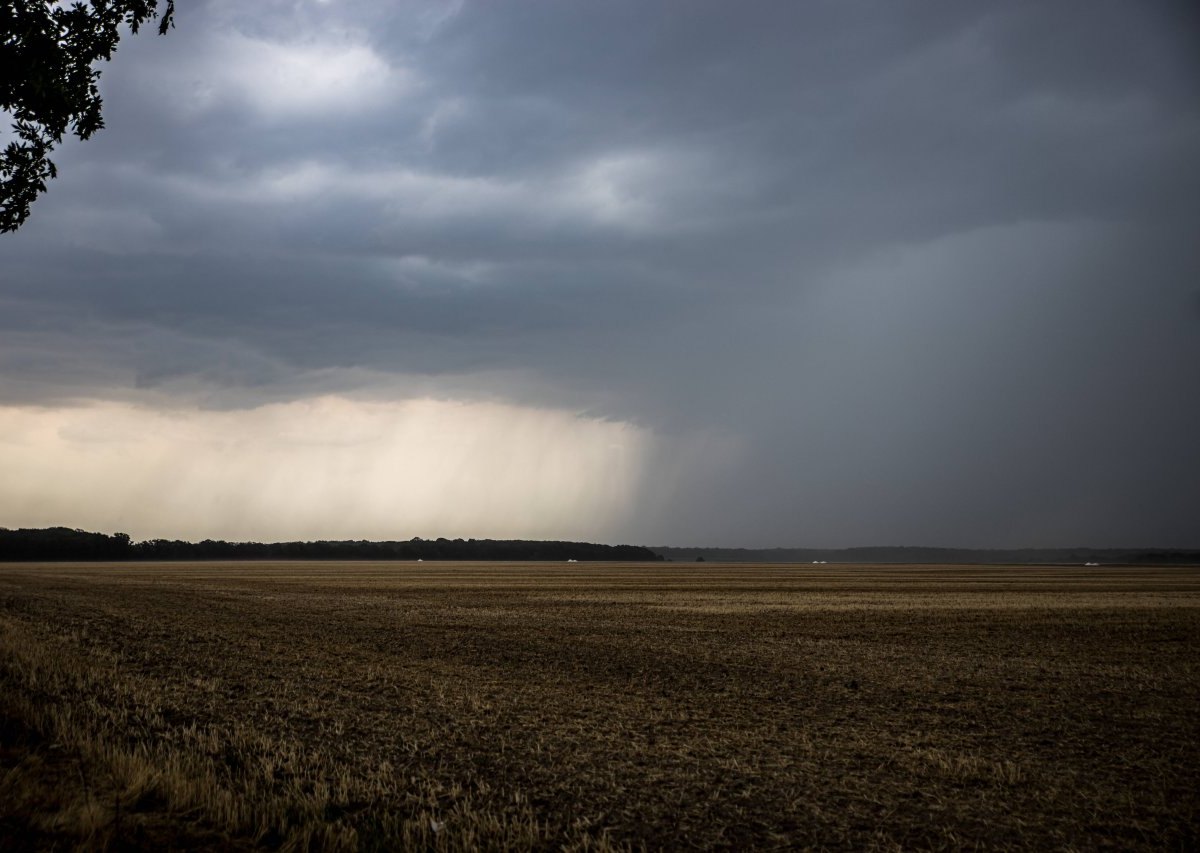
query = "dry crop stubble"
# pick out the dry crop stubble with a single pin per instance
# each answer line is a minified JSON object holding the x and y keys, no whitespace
{"x":457,"y":706}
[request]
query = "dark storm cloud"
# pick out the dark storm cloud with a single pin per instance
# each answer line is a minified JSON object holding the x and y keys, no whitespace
{"x":922,"y":273}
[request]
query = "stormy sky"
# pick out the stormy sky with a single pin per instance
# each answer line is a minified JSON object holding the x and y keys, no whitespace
{"x":709,"y":273}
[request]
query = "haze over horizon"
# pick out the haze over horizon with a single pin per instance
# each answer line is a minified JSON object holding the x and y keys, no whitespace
{"x":759,"y":275}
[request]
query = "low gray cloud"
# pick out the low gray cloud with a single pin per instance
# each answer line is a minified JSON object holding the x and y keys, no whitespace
{"x":870,"y":274}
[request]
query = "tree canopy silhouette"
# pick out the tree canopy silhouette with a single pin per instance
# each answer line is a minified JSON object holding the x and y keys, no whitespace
{"x":48,"y":83}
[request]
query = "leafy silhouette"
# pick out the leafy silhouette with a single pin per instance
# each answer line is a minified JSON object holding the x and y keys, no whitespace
{"x":48,"y":83}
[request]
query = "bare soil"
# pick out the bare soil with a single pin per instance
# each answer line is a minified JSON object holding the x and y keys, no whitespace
{"x":597,"y":706}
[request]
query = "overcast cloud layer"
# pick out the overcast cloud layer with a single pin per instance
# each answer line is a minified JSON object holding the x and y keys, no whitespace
{"x":823,"y":273}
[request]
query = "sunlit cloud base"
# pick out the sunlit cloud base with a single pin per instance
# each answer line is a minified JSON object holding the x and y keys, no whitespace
{"x":325,"y":467}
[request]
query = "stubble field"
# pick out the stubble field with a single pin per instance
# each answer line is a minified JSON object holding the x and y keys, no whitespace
{"x":591,"y":706}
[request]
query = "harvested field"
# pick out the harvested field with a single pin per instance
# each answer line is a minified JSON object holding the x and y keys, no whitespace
{"x":590,"y":707}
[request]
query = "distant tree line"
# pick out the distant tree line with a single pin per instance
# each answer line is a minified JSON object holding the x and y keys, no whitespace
{"x":915,"y":555}
{"x":64,"y":543}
